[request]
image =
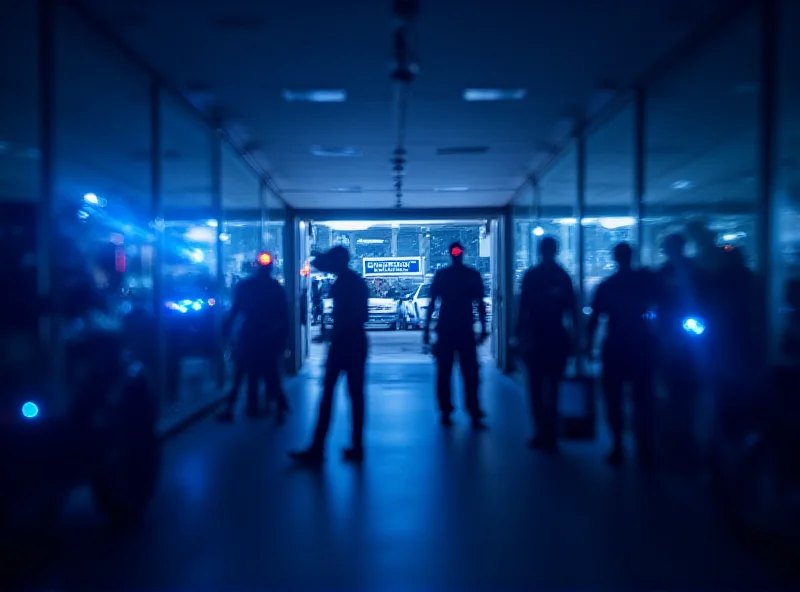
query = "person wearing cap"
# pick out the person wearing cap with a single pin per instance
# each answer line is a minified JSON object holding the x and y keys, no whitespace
{"x":260,"y":302}
{"x":459,"y":288}
{"x":347,"y":354}
{"x":544,"y":341}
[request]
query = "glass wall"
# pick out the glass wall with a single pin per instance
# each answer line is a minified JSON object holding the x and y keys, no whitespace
{"x":523,"y":212}
{"x":240,"y":200}
{"x":785,"y":308}
{"x":702,"y":146}
{"x":609,"y":202}
{"x":132,"y":224}
{"x":20,"y":359}
{"x":557,"y":202}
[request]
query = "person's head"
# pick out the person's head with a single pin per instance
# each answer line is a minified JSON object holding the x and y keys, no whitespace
{"x":623,"y":255}
{"x":457,"y":253}
{"x":703,"y":238}
{"x":334,"y":261}
{"x":674,"y":246}
{"x":548,"y":248}
{"x":265,"y":263}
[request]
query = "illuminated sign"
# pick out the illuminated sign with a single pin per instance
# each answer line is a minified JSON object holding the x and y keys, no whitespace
{"x":392,"y":266}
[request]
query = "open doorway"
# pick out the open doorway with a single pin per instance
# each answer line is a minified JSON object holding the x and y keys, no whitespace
{"x":398,"y":259}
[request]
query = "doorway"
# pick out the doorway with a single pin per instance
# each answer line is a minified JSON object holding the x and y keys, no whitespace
{"x":398,"y":259}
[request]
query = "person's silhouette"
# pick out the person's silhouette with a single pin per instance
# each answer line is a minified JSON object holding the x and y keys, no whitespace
{"x":544,"y":342}
{"x":628,"y":354}
{"x":459,"y":288}
{"x":347,"y":353}
{"x":261,"y":302}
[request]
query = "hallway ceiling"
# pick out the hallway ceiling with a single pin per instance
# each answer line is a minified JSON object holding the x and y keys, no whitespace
{"x":238,"y":56}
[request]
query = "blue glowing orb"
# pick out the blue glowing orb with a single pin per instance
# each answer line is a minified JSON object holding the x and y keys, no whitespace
{"x":694,"y":326}
{"x":30,"y":410}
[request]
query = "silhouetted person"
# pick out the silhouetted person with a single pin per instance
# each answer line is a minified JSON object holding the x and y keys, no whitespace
{"x":261,"y":302}
{"x":459,"y":288}
{"x":347,"y":353}
{"x":790,"y":340}
{"x":545,"y":343}
{"x":628,"y":353}
{"x":680,"y":350}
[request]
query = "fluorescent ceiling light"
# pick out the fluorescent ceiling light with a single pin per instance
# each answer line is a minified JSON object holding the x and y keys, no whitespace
{"x":678,"y":185}
{"x":336,"y":151}
{"x":315,"y":96}
{"x":566,"y":221}
{"x":352,"y":189}
{"x":494,"y":94}
{"x":538,"y":231}
{"x":450,"y":188}
{"x":345,"y":226}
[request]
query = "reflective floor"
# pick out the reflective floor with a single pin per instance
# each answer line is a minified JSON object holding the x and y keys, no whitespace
{"x":431,"y":509}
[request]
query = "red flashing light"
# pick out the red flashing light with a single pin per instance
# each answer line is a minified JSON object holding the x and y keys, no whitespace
{"x":456,"y":251}
{"x":264,"y":259}
{"x":305,"y":271}
{"x":120,"y":260}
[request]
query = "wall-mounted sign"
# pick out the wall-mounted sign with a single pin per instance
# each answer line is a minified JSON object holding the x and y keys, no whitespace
{"x":392,"y":266}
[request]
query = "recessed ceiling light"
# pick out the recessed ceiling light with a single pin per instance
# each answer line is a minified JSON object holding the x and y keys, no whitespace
{"x":450,"y":188}
{"x":315,"y":96}
{"x":352,"y":189}
{"x":337,"y":151}
{"x":494,"y":94}
{"x":682,"y":184}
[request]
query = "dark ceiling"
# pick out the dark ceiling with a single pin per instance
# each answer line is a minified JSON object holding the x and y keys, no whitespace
{"x":236,"y":57}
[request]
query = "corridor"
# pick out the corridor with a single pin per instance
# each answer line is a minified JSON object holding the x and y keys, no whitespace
{"x":431,"y":509}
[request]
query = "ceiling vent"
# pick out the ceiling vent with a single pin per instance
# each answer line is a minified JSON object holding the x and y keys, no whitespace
{"x":350,"y":189}
{"x":238,"y":22}
{"x":456,"y":150}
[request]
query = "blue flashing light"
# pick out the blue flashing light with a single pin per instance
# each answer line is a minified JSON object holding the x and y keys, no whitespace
{"x":30,"y":410}
{"x":694,"y":326}
{"x":649,"y":316}
{"x":91,"y":198}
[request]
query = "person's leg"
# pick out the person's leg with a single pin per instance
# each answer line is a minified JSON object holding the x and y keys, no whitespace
{"x":333,"y":368}
{"x":613,"y":379}
{"x":470,"y":371}
{"x":274,"y":387}
{"x":536,"y":384}
{"x":642,"y":385}
{"x":356,"y":374}
{"x":551,"y":395}
{"x":233,"y":395}
{"x":445,"y":358}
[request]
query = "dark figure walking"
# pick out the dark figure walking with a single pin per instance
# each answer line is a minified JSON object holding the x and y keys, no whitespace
{"x":544,"y":341}
{"x":459,"y":288}
{"x":347,"y":354}
{"x":628,"y":353}
{"x":261,"y":302}
{"x":681,"y":353}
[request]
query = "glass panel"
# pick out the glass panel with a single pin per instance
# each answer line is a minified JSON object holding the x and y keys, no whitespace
{"x":523,"y":224}
{"x":558,"y":197}
{"x":102,"y":189}
{"x":786,"y":309}
{"x":240,"y":233}
{"x":19,"y":194}
{"x":192,"y":299}
{"x":702,"y":139}
{"x":609,"y":197}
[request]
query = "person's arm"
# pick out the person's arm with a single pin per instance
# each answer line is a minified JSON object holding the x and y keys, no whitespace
{"x":236,"y":309}
{"x":434,"y":295}
{"x":480,"y":293}
{"x":598,"y":308}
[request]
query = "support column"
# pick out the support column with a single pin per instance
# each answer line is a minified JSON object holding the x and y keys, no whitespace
{"x":262,"y":206}
{"x":46,"y":218}
{"x":157,"y":215}
{"x":219,"y":215}
{"x":581,"y":211}
{"x":639,"y":171}
{"x":767,"y":216}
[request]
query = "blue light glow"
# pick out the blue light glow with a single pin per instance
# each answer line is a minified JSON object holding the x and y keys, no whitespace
{"x":694,"y":326}
{"x":91,"y":198}
{"x":30,"y":410}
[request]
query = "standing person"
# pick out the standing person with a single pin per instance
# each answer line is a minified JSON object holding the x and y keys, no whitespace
{"x":458,"y":287}
{"x":628,"y":353}
{"x":347,"y":354}
{"x":544,"y":341}
{"x":261,"y":302}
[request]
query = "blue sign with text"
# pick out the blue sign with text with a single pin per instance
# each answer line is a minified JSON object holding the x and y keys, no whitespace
{"x":391,"y":266}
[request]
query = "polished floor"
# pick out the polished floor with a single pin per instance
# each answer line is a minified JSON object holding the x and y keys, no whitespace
{"x":431,"y":509}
